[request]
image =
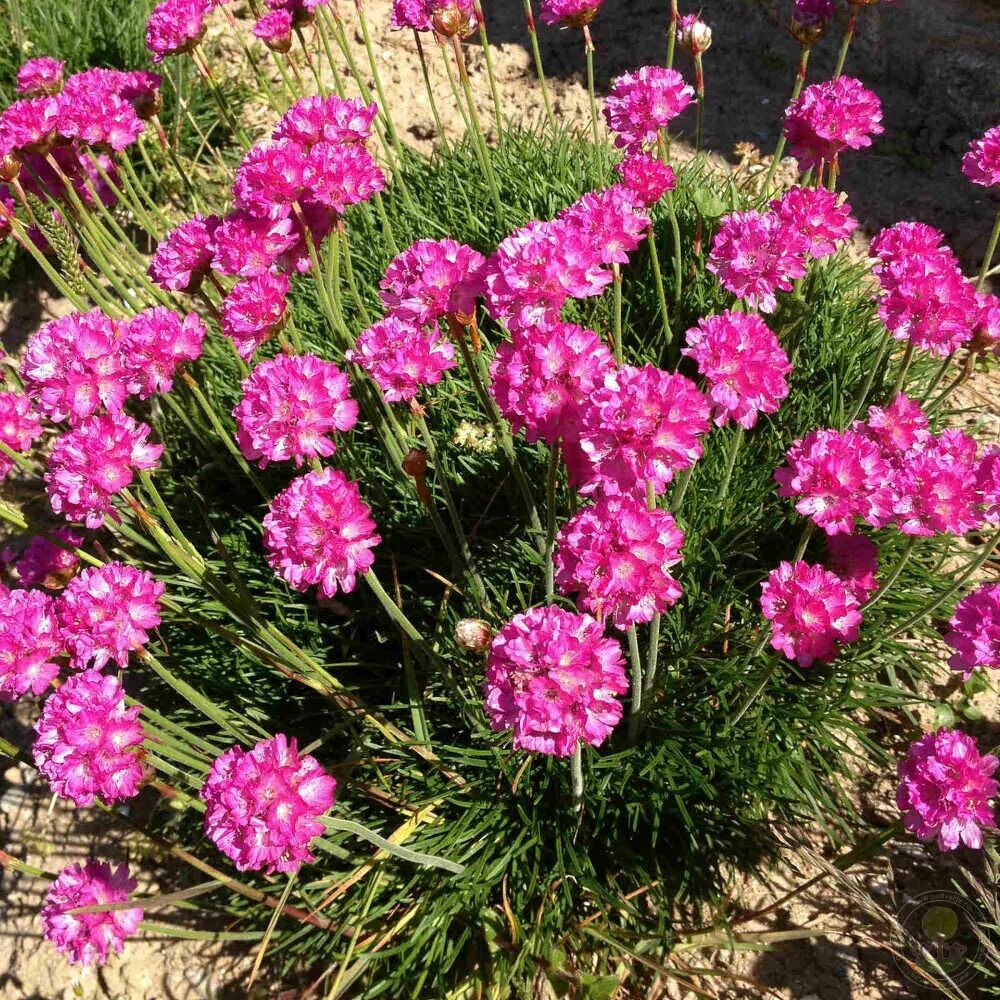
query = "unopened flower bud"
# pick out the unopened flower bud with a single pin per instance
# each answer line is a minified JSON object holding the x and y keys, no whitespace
{"x":473,"y":635}
{"x":693,"y":34}
{"x":810,"y":19}
{"x":10,"y":167}
{"x":454,"y":17}
{"x":415,"y":463}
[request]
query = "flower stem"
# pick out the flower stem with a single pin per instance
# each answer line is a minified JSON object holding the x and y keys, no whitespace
{"x":435,"y":114}
{"x":734,"y":447}
{"x":779,"y":149}
{"x":904,"y":368}
{"x":529,"y":18}
{"x":635,"y":659}
{"x":576,"y":778}
{"x":699,"y":88}
{"x":494,"y":91}
{"x":550,"y":516}
{"x":661,"y":295}
{"x":672,"y":33}
{"x":617,"y":341}
{"x":846,"y":44}
{"x":893,"y":576}
{"x":588,"y":47}
{"x":991,"y":247}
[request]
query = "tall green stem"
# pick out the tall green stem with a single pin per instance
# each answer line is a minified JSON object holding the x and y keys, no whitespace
{"x":529,"y":17}
{"x":991,"y":247}
{"x":779,"y":150}
{"x":552,"y":481}
{"x":588,"y":46}
{"x":576,"y":777}
{"x":852,"y":23}
{"x":734,"y":447}
{"x":672,"y":33}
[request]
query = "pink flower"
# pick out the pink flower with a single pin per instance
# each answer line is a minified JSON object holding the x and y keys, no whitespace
{"x":945,"y":790}
{"x":693,"y":34}
{"x":40,"y":77}
{"x":615,"y":556}
{"x":988,"y":484}
{"x":552,"y":678}
{"x":46,"y":564}
{"x":30,"y":643}
{"x":642,"y":103}
{"x":401,"y":358}
{"x":935,"y":487}
{"x":830,"y":117}
{"x":897,"y":427}
{"x":249,"y":246}
{"x":611,"y":223}
{"x":342,"y":175}
{"x":642,"y":426}
{"x":76,"y":364}
{"x":142,"y":90}
{"x":263,"y":806}
{"x":986,"y":331}
{"x":811,"y":610}
{"x":29,"y":127}
{"x":175,"y":26}
{"x":157,"y":341}
{"x":86,"y":938}
{"x":327,"y":119}
{"x":755,"y":255}
{"x":536,"y":269}
{"x":895,"y":244}
{"x":821,"y":216}
{"x":94,"y":462}
{"x":570,"y":13}
{"x":839,"y":476}
{"x":290,"y":408}
{"x":20,"y":427}
{"x":854,"y":558}
{"x":545,"y":375}
{"x":254,"y":310}
{"x":743,"y":363}
{"x":810,"y":19}
{"x":320,"y":532}
{"x":88,"y":744}
{"x":107,"y":612}
{"x":274,"y":29}
{"x":431,"y":279}
{"x":975,"y":631}
{"x":415,"y":14}
{"x":647,"y":177}
{"x":270,"y":176}
{"x":93,"y":111}
{"x":184,"y":256}
{"x":981,"y":164}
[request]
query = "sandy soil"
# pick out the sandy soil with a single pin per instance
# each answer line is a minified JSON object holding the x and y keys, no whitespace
{"x":934,"y":65}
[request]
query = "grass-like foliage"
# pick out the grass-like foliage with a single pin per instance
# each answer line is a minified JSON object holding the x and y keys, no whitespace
{"x":453,"y":865}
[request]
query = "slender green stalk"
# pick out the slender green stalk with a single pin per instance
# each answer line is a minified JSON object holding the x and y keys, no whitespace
{"x":734,"y":446}
{"x":529,"y":18}
{"x":394,"y":611}
{"x":661,"y":295}
{"x":904,"y":368}
{"x":681,"y":485}
{"x":672,"y":33}
{"x":779,"y":149}
{"x":653,"y":653}
{"x":396,"y":850}
{"x":494,"y":90}
{"x":588,"y":47}
{"x":846,"y":43}
{"x":576,"y":777}
{"x":425,"y":69}
{"x":991,"y":247}
{"x":552,"y":481}
{"x":198,"y":58}
{"x":699,"y":89}
{"x":635,"y":662}
{"x":893,"y":576}
{"x":617,"y":291}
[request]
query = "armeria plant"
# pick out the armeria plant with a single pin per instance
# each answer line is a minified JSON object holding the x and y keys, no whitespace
{"x":469,"y":557}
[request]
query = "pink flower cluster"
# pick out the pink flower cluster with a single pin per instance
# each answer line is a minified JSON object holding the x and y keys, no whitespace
{"x":812,"y":612}
{"x":543,"y":378}
{"x":743,"y":364}
{"x":822,"y":217}
{"x":263,"y":806}
{"x":30,"y":643}
{"x":107,"y":612}
{"x":95,"y":461}
{"x":925,"y":299}
{"x":75,"y":365}
{"x":332,"y":120}
{"x":274,"y":29}
{"x":643,"y":102}
{"x":41,"y":77}
{"x":89,"y":938}
{"x":20,"y":427}
{"x":946,"y":788}
{"x":401,"y":357}
{"x":616,"y":555}
{"x":176,"y":26}
{"x":254,"y":310}
{"x":446,"y":17}
{"x":88,"y":743}
{"x":640,"y":428}
{"x":570,"y":13}
{"x":44,"y":563}
{"x":828,"y":118}
{"x":290,"y":407}
{"x":553,"y":678}
{"x":184,"y":256}
{"x":981,"y":164}
{"x":647,"y":177}
{"x":319,"y":532}
{"x":975,"y":631}
{"x":432,"y":279}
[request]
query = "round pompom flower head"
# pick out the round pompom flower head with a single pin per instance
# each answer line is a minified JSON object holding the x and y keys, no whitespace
{"x":107,"y":612}
{"x":157,"y":341}
{"x":48,"y":564}
{"x":810,"y":19}
{"x":175,"y":26}
{"x":975,"y":631}
{"x":821,"y":216}
{"x":642,"y":103}
{"x":981,"y":164}
{"x":88,"y":743}
{"x":274,"y":29}
{"x":183,"y":257}
{"x":988,"y":484}
{"x":897,"y":427}
{"x":554,"y":678}
{"x":263,"y":806}
{"x":755,"y":255}
{"x":545,"y":374}
{"x":830,"y":117}
{"x":20,"y":427}
{"x":290,"y":408}
{"x":40,"y":77}
{"x":647,"y":177}
{"x":570,"y":13}
{"x":615,"y":556}
{"x":432,"y":279}
{"x":30,"y":643}
{"x":401,"y":358}
{"x":254,"y":310}
{"x":743,"y":364}
{"x":94,"y":462}
{"x":811,"y":610}
{"x":319,"y":532}
{"x":90,"y":938}
{"x":330,"y":119}
{"x":946,"y":790}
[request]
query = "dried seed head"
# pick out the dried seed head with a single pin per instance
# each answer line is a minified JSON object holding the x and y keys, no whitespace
{"x":473,"y":635}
